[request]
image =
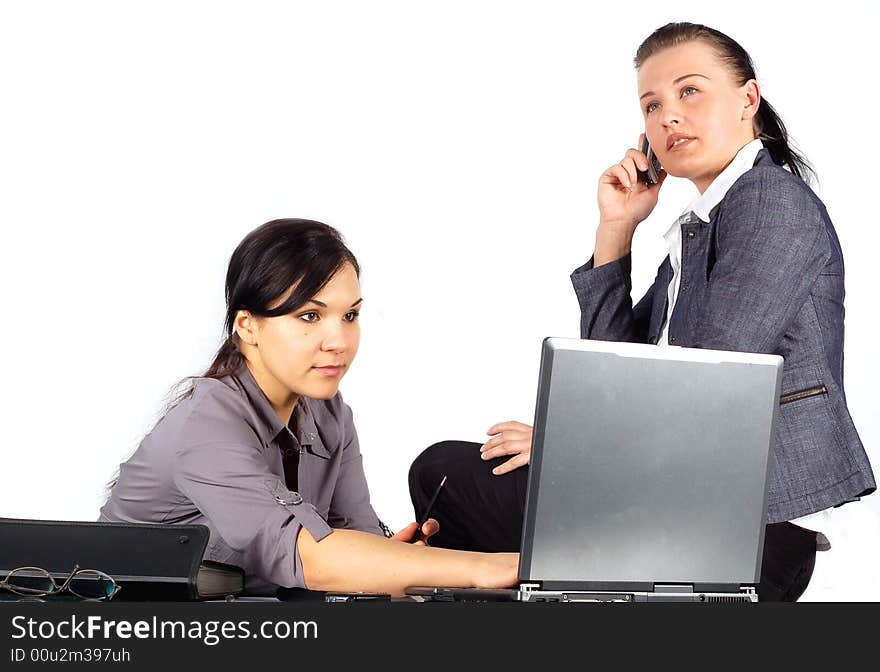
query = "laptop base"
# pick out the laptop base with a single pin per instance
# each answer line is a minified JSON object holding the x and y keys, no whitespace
{"x":582,"y":596}
{"x":530,"y":594}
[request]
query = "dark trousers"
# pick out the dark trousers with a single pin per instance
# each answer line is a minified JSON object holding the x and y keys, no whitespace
{"x":479,"y":511}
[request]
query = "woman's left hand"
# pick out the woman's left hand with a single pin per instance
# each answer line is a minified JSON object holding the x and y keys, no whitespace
{"x":429,"y":529}
{"x":508,"y":438}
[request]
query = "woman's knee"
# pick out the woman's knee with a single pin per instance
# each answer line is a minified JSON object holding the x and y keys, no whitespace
{"x":441,"y":459}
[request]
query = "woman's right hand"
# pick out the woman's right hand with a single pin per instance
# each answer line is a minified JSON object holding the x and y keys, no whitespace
{"x":496,"y":570}
{"x":624,"y":200}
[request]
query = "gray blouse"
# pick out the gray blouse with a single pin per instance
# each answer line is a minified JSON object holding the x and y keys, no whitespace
{"x":216,"y":459}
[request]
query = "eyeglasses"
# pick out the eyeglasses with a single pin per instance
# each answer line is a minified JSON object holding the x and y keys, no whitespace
{"x":86,"y":584}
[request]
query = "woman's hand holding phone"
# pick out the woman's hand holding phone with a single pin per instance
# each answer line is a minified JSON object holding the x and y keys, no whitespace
{"x":624,"y":202}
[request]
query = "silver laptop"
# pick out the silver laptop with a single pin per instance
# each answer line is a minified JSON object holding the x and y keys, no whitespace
{"x":648,"y":478}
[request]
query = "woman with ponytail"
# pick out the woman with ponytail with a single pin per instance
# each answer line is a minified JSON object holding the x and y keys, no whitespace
{"x":262,"y":450}
{"x":754,"y":265}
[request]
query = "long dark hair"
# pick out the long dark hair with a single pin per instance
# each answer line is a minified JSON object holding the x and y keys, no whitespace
{"x":769,"y":128}
{"x":266,"y":264}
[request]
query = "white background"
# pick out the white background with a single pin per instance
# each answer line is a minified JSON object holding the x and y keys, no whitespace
{"x":456,"y":145}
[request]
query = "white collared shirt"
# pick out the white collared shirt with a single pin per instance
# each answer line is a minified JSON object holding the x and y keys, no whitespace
{"x":701,"y":207}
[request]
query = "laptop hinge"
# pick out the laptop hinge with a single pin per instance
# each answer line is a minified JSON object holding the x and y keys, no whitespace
{"x":673,"y":588}
{"x":526,"y":587}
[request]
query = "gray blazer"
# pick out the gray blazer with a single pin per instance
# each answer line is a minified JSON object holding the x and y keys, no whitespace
{"x":764,"y":275}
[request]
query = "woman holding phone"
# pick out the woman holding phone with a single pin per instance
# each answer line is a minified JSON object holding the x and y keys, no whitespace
{"x":263,"y":451}
{"x":754,"y":265}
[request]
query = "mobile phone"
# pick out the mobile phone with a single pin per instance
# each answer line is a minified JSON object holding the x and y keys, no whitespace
{"x":652,"y":175}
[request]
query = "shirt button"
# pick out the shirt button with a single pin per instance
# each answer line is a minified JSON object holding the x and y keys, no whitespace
{"x":289,"y":452}
{"x":672,"y":339}
{"x":691,"y":234}
{"x":295,"y":498}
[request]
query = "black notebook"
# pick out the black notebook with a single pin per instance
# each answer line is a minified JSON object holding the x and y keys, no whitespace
{"x":149,"y":562}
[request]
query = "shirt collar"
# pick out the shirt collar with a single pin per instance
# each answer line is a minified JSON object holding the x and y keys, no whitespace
{"x":270,"y":424}
{"x":308,"y":430}
{"x":701,"y":206}
{"x":742,"y":162}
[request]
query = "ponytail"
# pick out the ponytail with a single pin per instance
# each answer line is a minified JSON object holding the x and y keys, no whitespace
{"x":227,"y":360}
{"x":770,"y":130}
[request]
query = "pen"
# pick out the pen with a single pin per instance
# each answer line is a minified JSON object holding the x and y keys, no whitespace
{"x":418,"y":534}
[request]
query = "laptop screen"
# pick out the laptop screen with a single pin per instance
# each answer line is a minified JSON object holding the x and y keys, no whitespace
{"x":650,"y":466}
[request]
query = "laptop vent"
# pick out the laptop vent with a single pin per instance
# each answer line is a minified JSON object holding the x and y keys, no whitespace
{"x":724,"y":598}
